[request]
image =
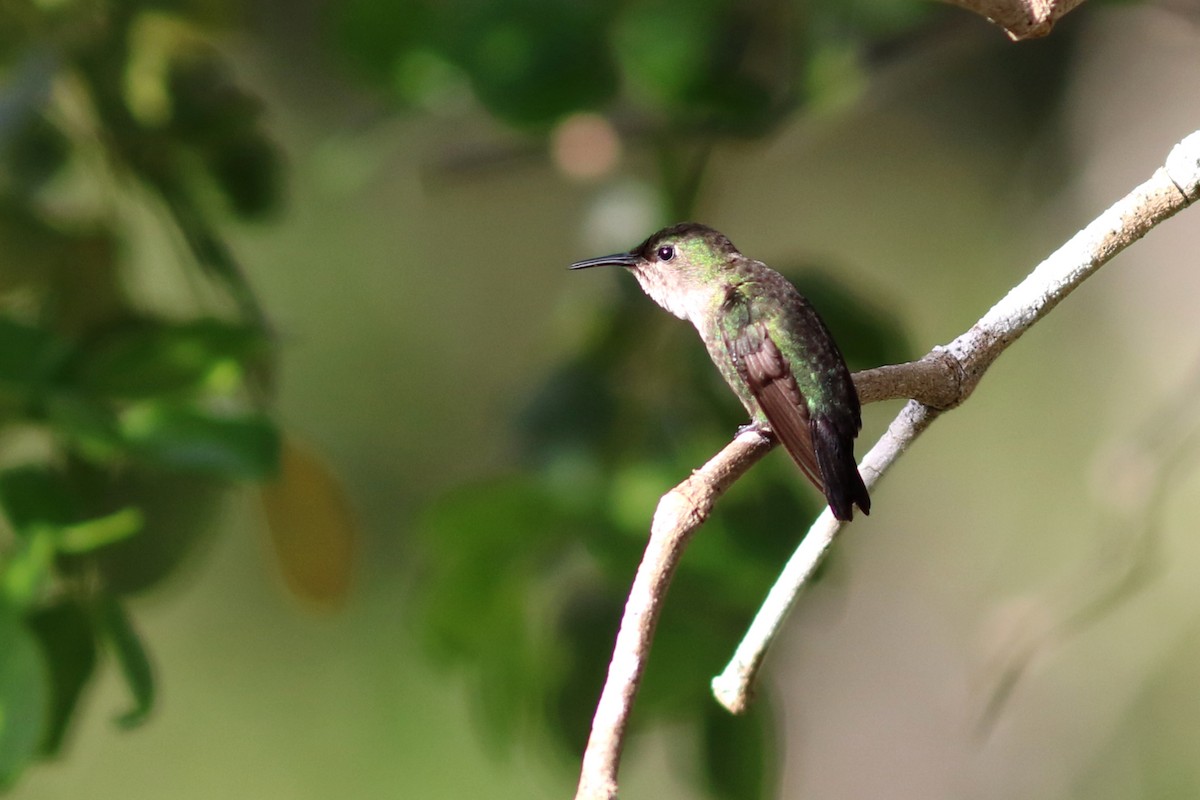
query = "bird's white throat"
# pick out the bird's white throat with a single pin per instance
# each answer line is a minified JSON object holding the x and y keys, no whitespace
{"x":678,"y":299}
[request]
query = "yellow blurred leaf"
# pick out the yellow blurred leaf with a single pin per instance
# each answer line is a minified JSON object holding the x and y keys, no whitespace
{"x":312,"y":530}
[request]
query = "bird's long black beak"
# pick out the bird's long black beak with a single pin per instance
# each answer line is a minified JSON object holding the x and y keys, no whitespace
{"x":615,"y":260}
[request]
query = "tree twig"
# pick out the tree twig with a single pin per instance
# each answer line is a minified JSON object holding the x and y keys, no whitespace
{"x":941,"y":380}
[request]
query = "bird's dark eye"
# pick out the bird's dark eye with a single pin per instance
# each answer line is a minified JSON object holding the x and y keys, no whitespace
{"x":666,"y":252}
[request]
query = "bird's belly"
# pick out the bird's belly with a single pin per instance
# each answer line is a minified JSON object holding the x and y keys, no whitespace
{"x":724,"y":363}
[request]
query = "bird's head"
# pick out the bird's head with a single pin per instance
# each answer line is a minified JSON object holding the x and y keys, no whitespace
{"x":675,"y":264}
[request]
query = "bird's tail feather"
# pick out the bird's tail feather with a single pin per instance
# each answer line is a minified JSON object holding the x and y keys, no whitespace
{"x":844,"y":487}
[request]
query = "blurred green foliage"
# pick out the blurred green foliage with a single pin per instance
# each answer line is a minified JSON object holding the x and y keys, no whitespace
{"x":712,"y":66}
{"x":120,"y":421}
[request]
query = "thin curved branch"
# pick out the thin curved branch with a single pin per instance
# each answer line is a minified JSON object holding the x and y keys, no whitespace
{"x":680,"y":512}
{"x":941,"y":380}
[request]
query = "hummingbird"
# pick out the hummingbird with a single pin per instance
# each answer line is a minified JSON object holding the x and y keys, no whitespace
{"x":769,"y":345}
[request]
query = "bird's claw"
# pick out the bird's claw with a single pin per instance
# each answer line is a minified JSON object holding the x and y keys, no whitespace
{"x":754,"y":427}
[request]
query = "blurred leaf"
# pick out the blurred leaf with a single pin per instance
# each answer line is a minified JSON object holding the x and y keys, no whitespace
{"x":179,"y":510}
{"x":249,"y":171}
{"x":28,"y":355}
{"x":28,"y":567}
{"x":737,"y":755}
{"x":210,"y":118}
{"x":131,"y":657}
{"x":245,"y":446}
{"x":207,"y":105}
{"x":375,"y":34}
{"x":35,"y":498}
{"x":311,"y":527}
{"x":89,"y":426}
{"x":64,"y":631}
{"x":84,"y":537}
{"x":699,"y":627}
{"x":836,"y":76}
{"x":214,"y":117}
{"x":531,"y":62}
{"x":765,"y":518}
{"x":150,"y":358}
{"x":24,"y":696}
{"x":44,"y":510}
{"x":34,"y":252}
{"x":496,"y":556}
{"x":587,"y":626}
{"x":33,"y":154}
{"x":211,"y":251}
{"x":664,"y":45}
{"x":718,"y":65}
{"x":470,"y":535}
{"x":550,"y":422}
{"x":737,"y":105}
{"x":85,"y":281}
{"x":873,"y":20}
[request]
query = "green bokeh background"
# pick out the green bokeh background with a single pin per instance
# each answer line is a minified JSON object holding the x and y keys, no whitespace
{"x":415,"y":278}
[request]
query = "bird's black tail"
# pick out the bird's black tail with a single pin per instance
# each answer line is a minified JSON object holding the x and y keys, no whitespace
{"x":844,"y":487}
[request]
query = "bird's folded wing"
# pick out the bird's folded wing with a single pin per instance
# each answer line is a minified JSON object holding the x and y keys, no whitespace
{"x":769,"y":378}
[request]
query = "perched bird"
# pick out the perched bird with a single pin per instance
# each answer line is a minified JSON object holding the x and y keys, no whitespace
{"x":768,"y":343}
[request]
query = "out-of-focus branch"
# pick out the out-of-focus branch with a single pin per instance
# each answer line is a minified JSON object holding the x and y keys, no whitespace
{"x":941,"y":380}
{"x":1020,"y":19}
